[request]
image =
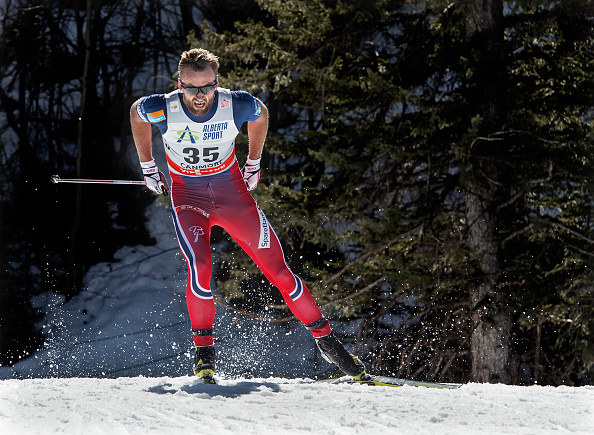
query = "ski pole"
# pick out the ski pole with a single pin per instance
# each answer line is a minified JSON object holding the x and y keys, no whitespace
{"x":56,"y":179}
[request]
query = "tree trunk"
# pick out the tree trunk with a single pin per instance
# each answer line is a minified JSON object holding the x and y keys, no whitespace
{"x":485,"y":187}
{"x":490,"y":341}
{"x":76,"y":227}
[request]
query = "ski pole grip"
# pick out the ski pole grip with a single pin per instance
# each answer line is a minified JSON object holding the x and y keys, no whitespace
{"x":164,"y":189}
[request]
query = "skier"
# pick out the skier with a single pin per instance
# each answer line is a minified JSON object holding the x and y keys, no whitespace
{"x":199,"y":122}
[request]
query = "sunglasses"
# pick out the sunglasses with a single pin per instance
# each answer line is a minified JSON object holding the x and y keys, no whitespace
{"x":196,"y":90}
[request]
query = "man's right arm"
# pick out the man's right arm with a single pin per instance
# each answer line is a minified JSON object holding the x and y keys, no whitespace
{"x":142,"y":133}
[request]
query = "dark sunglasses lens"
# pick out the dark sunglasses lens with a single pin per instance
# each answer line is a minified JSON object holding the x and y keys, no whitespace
{"x":204,"y":89}
{"x":207,"y":89}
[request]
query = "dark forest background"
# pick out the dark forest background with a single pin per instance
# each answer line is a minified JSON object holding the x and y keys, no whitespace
{"x":429,"y":163}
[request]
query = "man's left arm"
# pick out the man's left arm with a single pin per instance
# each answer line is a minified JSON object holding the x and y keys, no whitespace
{"x":257,"y":131}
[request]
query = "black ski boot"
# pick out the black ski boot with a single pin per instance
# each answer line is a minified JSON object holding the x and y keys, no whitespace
{"x":334,"y":352}
{"x":204,"y":364}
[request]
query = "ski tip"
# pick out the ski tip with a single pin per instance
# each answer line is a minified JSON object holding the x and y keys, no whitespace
{"x":383,"y":381}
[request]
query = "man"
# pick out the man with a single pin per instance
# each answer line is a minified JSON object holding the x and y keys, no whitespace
{"x":199,"y":123}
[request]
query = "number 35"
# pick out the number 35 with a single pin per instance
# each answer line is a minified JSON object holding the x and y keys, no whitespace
{"x":208,"y":154}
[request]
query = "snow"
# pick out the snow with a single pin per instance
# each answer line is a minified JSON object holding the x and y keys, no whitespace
{"x":117,"y":359}
{"x":282,"y":406}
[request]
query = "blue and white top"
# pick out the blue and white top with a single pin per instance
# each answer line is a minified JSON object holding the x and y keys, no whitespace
{"x":199,"y":145}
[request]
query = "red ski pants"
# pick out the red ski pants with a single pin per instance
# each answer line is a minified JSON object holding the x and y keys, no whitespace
{"x":199,"y":203}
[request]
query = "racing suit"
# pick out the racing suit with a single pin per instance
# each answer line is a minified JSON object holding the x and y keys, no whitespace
{"x":207,"y":189}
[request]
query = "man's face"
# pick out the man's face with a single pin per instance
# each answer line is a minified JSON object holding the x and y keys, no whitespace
{"x":198,"y":104}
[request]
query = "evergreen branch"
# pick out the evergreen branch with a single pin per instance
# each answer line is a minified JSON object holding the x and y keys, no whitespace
{"x":559,"y":319}
{"x":529,"y":185}
{"x":498,"y":133}
{"x":581,"y":251}
{"x":571,"y":230}
{"x":529,"y":133}
{"x":357,"y":293}
{"x":371,"y":253}
{"x":516,"y":234}
{"x":481,"y":138}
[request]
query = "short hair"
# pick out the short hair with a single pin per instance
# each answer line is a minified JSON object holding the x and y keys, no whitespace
{"x":198,"y":59}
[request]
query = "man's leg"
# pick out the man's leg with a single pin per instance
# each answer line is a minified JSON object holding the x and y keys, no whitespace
{"x":193,"y":234}
{"x":252,"y":231}
{"x":192,"y":228}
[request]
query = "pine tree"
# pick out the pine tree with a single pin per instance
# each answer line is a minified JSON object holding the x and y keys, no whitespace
{"x":432,"y":165}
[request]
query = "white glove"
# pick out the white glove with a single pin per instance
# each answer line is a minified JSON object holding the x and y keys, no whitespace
{"x":153,"y":178}
{"x":251,"y":173}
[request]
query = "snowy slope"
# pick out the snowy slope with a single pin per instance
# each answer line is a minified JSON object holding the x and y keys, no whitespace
{"x":117,"y":360}
{"x":279,"y":406}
